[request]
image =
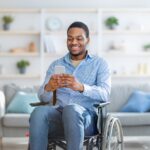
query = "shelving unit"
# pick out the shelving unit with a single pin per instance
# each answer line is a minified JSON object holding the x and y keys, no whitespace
{"x":123,"y":46}
{"x":31,"y":25}
{"x":25,"y":28}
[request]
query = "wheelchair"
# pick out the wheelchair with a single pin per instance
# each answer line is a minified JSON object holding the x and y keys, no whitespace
{"x":109,"y":136}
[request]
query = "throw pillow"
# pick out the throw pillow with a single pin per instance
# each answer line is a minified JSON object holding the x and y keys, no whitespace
{"x":11,"y":89}
{"x":21,"y":102}
{"x":139,"y":101}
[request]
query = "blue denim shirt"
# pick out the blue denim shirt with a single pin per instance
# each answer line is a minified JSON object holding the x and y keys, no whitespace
{"x":93,"y":72}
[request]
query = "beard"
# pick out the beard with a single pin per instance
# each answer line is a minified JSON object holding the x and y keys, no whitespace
{"x":77,"y":53}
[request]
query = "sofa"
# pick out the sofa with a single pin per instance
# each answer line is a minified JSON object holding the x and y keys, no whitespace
{"x":133,"y":123}
{"x":13,"y":124}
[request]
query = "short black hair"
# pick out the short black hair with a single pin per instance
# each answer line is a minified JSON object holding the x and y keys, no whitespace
{"x":79,"y":24}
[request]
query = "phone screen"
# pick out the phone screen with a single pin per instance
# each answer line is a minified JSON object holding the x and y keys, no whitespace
{"x":60,"y":69}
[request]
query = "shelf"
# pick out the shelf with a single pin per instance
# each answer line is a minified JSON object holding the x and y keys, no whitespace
{"x":125,"y":32}
{"x":72,"y":10}
{"x":19,"y":32}
{"x":19,"y":76}
{"x":19,"y":54}
{"x":54,"y":54}
{"x":131,"y":76}
{"x":56,"y":10}
{"x":19,"y":10}
{"x":127,"y":10}
{"x":118,"y":54}
{"x":64,"y":32}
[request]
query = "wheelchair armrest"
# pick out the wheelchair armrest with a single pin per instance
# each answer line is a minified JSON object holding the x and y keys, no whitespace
{"x":39,"y":104}
{"x":101,"y":104}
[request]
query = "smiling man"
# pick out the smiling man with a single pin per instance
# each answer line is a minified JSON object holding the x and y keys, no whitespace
{"x":86,"y":82}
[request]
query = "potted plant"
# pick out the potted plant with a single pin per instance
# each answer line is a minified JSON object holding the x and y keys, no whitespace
{"x":146,"y":47}
{"x":22,"y":64}
{"x":111,"y":22}
{"x":7,"y":20}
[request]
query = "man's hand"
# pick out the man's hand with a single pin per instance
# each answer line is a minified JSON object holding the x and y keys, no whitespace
{"x":69,"y":81}
{"x":54,"y":83}
{"x":63,"y":80}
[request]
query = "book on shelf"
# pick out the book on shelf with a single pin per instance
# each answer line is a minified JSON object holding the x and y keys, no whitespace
{"x":49,"y":44}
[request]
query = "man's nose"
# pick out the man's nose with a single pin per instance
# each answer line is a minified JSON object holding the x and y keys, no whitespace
{"x":74,"y":41}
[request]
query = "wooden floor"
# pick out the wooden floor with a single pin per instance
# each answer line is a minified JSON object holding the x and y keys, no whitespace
{"x":130,"y":143}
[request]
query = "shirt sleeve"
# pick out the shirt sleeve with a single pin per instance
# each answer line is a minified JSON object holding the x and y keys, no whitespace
{"x":42,"y":94}
{"x":101,"y":90}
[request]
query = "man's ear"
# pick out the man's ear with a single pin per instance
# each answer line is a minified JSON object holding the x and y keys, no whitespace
{"x":88,"y":40}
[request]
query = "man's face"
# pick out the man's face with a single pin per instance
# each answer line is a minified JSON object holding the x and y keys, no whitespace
{"x":77,"y":41}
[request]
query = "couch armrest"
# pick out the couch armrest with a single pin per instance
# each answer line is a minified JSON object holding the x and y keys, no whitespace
{"x":2,"y":104}
{"x":2,"y":111}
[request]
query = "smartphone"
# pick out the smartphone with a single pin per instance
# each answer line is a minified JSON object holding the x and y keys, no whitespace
{"x":60,"y":69}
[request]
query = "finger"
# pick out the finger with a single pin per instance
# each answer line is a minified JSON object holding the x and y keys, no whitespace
{"x":68,"y":76}
{"x":56,"y":76}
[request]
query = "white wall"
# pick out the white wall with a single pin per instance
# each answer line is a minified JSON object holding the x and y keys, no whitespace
{"x":74,"y":3}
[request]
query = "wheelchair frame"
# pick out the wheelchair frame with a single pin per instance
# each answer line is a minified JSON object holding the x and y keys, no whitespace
{"x":109,"y":137}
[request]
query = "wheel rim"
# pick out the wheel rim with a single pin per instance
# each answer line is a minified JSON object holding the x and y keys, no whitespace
{"x":113,"y":135}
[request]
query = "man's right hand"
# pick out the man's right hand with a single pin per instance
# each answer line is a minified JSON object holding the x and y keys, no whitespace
{"x":54,"y":83}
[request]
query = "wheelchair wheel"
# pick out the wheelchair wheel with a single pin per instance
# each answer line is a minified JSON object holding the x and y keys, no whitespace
{"x":113,"y":135}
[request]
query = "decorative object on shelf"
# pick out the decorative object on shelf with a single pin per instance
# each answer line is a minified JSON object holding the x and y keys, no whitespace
{"x":32,"y":47}
{"x":22,"y":64}
{"x":146,"y":47}
{"x":18,"y":50}
{"x":1,"y":69}
{"x":133,"y":26}
{"x":111,"y":22}
{"x":142,"y":69}
{"x":0,"y":47}
{"x":114,"y":72}
{"x":49,"y":44}
{"x":7,"y":20}
{"x":53,"y":24}
{"x":117,"y":46}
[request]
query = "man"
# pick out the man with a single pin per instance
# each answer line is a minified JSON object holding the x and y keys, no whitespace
{"x":86,"y":82}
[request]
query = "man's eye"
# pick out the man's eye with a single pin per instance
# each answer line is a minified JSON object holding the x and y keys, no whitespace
{"x":69,"y":39}
{"x":80,"y":39}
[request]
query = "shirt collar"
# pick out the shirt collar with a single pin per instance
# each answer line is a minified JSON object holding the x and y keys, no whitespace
{"x":68,"y":60}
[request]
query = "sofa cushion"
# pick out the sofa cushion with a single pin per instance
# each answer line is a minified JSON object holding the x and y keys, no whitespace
{"x":16,"y":120}
{"x":139,"y":101}
{"x":21,"y":103}
{"x":133,"y":119}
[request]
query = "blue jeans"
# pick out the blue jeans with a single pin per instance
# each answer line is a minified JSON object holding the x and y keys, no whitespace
{"x":73,"y":123}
